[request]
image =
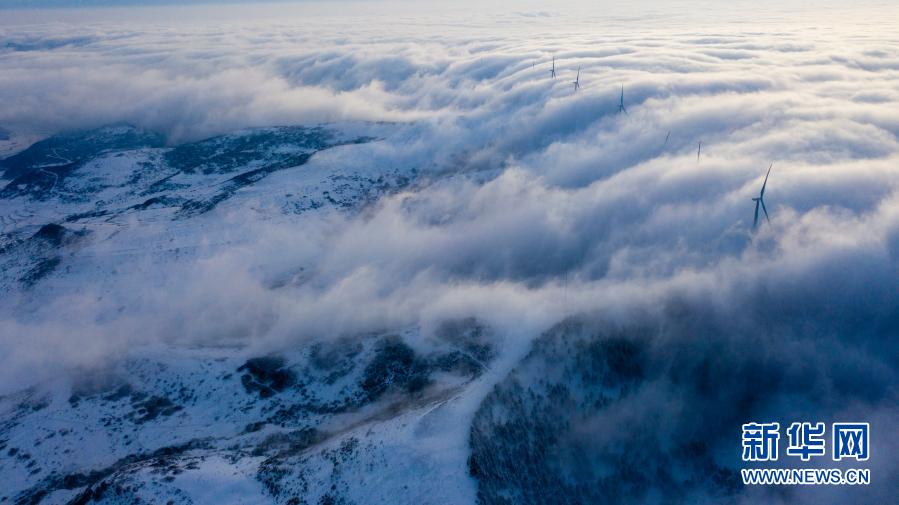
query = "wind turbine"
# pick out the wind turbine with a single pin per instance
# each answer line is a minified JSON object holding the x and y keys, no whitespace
{"x":666,"y":138}
{"x":698,"y":151}
{"x":577,"y":80}
{"x":761,"y":201}
{"x":621,"y":107}
{"x":552,"y":72}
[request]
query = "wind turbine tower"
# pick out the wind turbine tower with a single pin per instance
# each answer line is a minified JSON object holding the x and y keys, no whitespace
{"x":552,"y":71}
{"x":621,"y":107}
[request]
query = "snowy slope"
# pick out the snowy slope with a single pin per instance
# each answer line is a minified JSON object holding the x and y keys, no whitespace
{"x":309,"y":425}
{"x":116,"y":192}
{"x":168,"y":422}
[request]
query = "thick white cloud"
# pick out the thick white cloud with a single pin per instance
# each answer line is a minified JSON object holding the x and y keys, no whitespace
{"x":535,"y":202}
{"x":579,"y":192}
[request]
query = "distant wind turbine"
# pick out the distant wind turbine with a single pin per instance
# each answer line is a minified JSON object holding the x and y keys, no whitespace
{"x":761,"y":201}
{"x":621,"y":107}
{"x":698,"y":151}
{"x":552,"y":72}
{"x":577,"y":80}
{"x":666,"y":138}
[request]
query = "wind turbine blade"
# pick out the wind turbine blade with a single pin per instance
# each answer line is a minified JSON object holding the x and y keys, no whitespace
{"x":766,"y":179}
{"x":764,"y":209}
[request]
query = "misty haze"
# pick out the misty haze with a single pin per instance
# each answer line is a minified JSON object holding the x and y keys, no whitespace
{"x":498,"y":252}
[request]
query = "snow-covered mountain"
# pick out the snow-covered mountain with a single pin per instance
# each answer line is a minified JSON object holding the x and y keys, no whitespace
{"x":207,"y":425}
{"x":210,"y":423}
{"x":600,"y":405}
{"x":66,"y":198}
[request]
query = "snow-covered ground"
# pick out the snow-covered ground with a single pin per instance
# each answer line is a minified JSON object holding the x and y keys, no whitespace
{"x":199,"y":424}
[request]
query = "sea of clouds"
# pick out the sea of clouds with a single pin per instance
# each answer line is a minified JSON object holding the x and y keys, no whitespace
{"x":535,"y":202}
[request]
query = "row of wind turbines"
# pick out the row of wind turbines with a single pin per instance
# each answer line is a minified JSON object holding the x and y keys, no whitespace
{"x":759,"y":200}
